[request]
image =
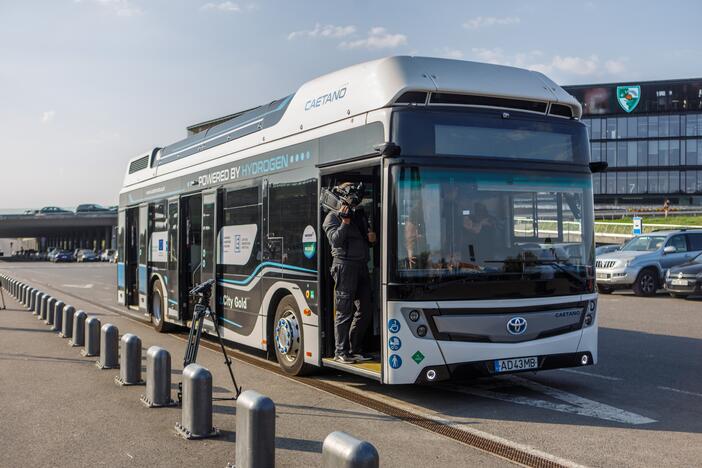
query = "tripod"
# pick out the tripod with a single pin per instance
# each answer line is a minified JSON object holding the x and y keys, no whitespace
{"x":200,"y":313}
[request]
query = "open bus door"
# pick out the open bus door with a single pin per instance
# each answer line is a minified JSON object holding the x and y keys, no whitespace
{"x":131,"y":258}
{"x":190,"y":251}
{"x":370,"y":174}
{"x":211,"y":220}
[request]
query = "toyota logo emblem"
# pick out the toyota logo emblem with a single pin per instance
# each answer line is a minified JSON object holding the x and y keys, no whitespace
{"x":680,"y":275}
{"x":516,"y":325}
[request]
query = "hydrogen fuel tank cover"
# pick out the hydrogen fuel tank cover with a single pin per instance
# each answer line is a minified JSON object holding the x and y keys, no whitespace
{"x":248,"y":122}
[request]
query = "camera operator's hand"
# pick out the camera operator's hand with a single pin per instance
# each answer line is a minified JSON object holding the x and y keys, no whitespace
{"x":344,"y":212}
{"x":371,"y":237}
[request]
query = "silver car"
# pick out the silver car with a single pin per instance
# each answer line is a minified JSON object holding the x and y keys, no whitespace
{"x":641,"y":263}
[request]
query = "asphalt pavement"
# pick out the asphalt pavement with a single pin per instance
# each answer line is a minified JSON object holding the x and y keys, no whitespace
{"x":641,"y":405}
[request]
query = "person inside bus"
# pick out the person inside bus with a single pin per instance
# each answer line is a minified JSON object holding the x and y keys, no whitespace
{"x":481,"y":233}
{"x":350,"y":239}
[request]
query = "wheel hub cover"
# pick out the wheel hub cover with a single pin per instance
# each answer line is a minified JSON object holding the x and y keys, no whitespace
{"x":286,"y":334}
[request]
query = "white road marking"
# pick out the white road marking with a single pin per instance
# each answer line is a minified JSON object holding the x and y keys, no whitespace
{"x":573,"y":404}
{"x":78,"y":286}
{"x":684,"y":392}
{"x":589,"y":374}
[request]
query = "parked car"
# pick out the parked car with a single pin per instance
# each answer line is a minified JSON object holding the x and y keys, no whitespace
{"x":50,"y":210}
{"x":603,"y":249}
{"x":87,"y":255}
{"x":63,"y":256}
{"x":686,"y":279}
{"x":642,"y":263}
{"x":91,"y":208}
{"x":107,"y":255}
{"x":52,"y":253}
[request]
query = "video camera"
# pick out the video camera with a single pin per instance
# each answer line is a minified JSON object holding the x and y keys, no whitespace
{"x":345,"y":194}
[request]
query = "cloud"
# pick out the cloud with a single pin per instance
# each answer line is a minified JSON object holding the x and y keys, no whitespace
{"x":118,"y":7}
{"x":324,"y":31}
{"x":378,"y":38}
{"x":448,"y":52}
{"x":488,"y":21}
{"x":557,"y":65}
{"x":615,"y":67}
{"x":47,"y":116}
{"x":228,"y":7}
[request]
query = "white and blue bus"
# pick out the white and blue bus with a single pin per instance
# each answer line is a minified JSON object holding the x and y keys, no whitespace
{"x":478,"y":184}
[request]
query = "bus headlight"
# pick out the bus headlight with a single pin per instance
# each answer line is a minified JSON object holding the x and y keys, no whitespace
{"x":590,"y":311}
{"x":414,"y":315}
{"x":422,"y":330}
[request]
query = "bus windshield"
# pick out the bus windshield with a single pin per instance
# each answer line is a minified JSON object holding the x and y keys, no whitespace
{"x":491,"y":225}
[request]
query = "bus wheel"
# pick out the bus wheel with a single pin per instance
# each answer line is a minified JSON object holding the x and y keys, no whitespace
{"x":157,"y":309}
{"x":288,"y":337}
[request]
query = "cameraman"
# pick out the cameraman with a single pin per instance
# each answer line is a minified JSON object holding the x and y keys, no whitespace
{"x":350,"y":239}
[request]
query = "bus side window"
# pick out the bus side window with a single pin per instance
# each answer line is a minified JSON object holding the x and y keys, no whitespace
{"x":292,"y":217}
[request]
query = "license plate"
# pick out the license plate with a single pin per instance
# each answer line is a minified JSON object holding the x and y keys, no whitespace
{"x":679,"y":282}
{"x":517,"y":364}
{"x":601,"y":275}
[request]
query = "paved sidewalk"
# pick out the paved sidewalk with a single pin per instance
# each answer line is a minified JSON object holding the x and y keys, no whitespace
{"x":59,"y":409}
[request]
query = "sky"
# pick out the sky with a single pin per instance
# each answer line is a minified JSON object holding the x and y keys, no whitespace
{"x":85,"y":85}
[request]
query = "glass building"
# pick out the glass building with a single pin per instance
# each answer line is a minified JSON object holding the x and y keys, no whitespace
{"x":650,"y":133}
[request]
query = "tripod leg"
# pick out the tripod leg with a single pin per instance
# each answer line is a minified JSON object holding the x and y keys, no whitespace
{"x":227,"y":360}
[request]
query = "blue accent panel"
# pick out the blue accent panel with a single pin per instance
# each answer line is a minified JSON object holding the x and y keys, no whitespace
{"x":263,"y":265}
{"x":120,"y":275}
{"x":142,"y":279}
{"x":172,"y":301}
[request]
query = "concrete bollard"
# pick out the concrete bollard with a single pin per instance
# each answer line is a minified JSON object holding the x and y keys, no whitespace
{"x":92,"y":337}
{"x":44,"y":307}
{"x":32,"y":299}
{"x":27,"y":289}
{"x":24,"y":295}
{"x":130,"y":361}
{"x":67,"y":326}
{"x":158,"y":378}
{"x":78,"y":335}
{"x":340,"y":450}
{"x":255,"y":430}
{"x":109,"y":347}
{"x":50,"y":309}
{"x":196,"y":413}
{"x":58,"y":316}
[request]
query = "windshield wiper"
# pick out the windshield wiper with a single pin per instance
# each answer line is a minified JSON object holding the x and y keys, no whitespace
{"x":558,"y":264}
{"x":436,"y":282}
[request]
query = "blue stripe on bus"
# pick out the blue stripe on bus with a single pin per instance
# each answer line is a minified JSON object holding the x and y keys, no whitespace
{"x":230,"y":322}
{"x":265,"y":264}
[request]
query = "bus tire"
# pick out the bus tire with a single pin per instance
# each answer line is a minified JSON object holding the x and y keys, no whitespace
{"x":288,"y":337}
{"x":157,"y":309}
{"x":646,"y":283}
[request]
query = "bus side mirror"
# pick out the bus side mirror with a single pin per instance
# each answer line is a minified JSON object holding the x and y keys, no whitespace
{"x":598,"y":166}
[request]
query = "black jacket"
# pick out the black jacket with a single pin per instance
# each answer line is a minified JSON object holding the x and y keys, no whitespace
{"x":349,"y":242}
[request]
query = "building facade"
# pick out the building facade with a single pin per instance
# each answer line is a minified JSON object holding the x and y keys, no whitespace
{"x":650,"y":134}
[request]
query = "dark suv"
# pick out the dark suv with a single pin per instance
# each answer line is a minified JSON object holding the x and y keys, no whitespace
{"x":642,"y":263}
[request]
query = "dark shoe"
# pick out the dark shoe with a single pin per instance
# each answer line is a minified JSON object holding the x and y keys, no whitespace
{"x":344,"y":358}
{"x":361,"y":357}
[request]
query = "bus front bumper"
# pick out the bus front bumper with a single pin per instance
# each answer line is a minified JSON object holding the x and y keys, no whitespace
{"x":459,"y":370}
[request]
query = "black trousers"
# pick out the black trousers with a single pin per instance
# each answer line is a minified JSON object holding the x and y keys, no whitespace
{"x":350,"y":323}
